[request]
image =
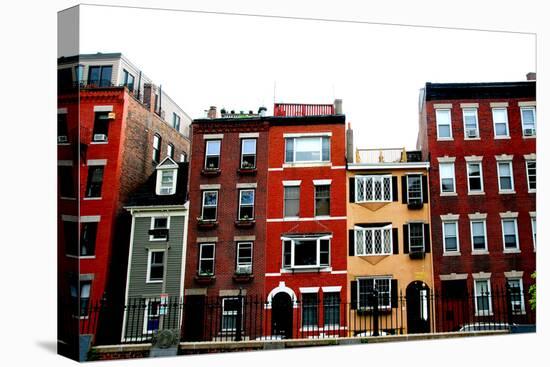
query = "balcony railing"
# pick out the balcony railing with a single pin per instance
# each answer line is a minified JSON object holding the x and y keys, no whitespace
{"x":387,"y":155}
{"x":296,"y":109}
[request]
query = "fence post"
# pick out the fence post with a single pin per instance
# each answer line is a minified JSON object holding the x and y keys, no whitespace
{"x":238,"y":329}
{"x":375,"y":313}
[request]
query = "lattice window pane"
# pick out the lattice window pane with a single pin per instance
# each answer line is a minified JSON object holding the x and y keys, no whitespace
{"x":387,"y":188}
{"x":368,"y":188}
{"x":368,"y":242}
{"x":387,"y":241}
{"x":359,"y":242}
{"x":360,"y":189}
{"x":378,"y":241}
{"x":378,"y":189}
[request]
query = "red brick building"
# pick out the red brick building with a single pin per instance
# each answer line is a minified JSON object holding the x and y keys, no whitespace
{"x":480,"y":141}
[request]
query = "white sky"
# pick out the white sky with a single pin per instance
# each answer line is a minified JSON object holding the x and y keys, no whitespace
{"x":235,"y":62}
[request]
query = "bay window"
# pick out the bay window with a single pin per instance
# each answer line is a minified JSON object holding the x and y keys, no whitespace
{"x":307,"y":149}
{"x":306,"y":252}
{"x":373,"y":241}
{"x":373,"y":188}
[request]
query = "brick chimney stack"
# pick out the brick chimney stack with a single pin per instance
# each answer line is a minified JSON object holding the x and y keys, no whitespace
{"x":349,"y":144}
{"x":211,"y":114}
{"x":531,"y":76}
{"x":338,"y":106}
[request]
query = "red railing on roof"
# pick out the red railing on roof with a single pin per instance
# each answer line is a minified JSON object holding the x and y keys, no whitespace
{"x":297,"y":109}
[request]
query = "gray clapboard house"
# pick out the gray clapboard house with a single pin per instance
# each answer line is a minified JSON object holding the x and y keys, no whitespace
{"x":156,"y":260}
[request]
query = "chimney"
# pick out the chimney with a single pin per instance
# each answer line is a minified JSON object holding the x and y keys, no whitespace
{"x":349,"y":144}
{"x":211,"y":112}
{"x":531,"y":76}
{"x":262,"y":111}
{"x":338,"y":106}
{"x":148,"y":96}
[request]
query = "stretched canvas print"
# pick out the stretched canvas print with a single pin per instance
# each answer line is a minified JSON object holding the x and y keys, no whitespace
{"x":237,"y":182}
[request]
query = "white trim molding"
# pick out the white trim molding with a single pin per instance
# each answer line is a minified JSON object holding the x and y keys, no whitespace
{"x":292,"y":182}
{"x":61,"y":111}
{"x":96,"y":162}
{"x":469,"y":105}
{"x":309,"y":289}
{"x":446,"y":159}
{"x":207,"y":239}
{"x":212,"y":136}
{"x":282,"y":288}
{"x":453,"y":276}
{"x":322,"y":182}
{"x":244,"y":238}
{"x":336,"y":288}
{"x":527,"y":103}
{"x":299,"y":219}
{"x":473,"y":158}
{"x":513,"y":274}
{"x":247,"y":185}
{"x":478,"y":216}
{"x":298,"y":135}
{"x":442,"y":105}
{"x":509,"y":214}
{"x":498,"y":104}
{"x":231,"y":292}
{"x":90,"y":218}
{"x":530,"y":157}
{"x":103,"y":108}
{"x":210,"y":187}
{"x":449,"y":217}
{"x":249,"y":135}
{"x":504,"y":157}
{"x":481,"y":275}
{"x":533,"y":214}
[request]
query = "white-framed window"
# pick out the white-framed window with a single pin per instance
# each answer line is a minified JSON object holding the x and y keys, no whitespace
{"x":365,"y":287}
{"x":505,"y":176}
{"x":444,"y":126}
{"x":310,"y":310}
{"x":246,"y":204}
{"x":322,"y":200}
{"x":101,"y":127}
{"x":510,"y":234}
{"x":244,"y":258}
{"x":451,"y":242}
{"x":331,"y":309}
{"x":475,"y":177}
{"x":307,"y":149}
{"x":230,"y":308}
{"x":248,"y":153}
{"x":416,"y":237}
{"x":306,"y":252}
{"x":212,"y":154}
{"x":155,"y":265}
{"x":528,"y":121}
{"x":170,"y":150}
{"x":517,"y":298}
{"x":166,"y":181}
{"x":447,"y":177}
{"x":183,"y":157}
{"x":151,"y":315}
{"x":373,"y":188}
{"x":531,"y":169}
{"x":176,"y":120}
{"x":159,"y":223}
{"x":207,"y":253}
{"x":291,"y":201}
{"x":414,"y":189}
{"x":483,"y":301}
{"x":534,"y":231}
{"x":500,"y":122}
{"x":478,"y":229}
{"x":94,"y":181}
{"x":209,"y":205}
{"x":471,"y":127}
{"x":157,"y":140}
{"x":373,"y":241}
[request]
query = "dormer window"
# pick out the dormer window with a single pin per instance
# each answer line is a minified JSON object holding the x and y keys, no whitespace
{"x":167,"y":172}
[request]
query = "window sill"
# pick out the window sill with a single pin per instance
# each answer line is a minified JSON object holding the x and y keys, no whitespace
{"x":158,"y":239}
{"x":247,"y":171}
{"x":474,"y":193}
{"x":502,"y":137}
{"x":290,"y":219}
{"x":211,"y":172}
{"x":478,"y":138}
{"x":448,"y":194}
{"x":320,"y":269}
{"x":307,"y":164}
{"x":207,"y":224}
{"x":80,"y":257}
{"x":511,"y":251}
{"x":99,"y":198}
{"x":321,"y":217}
{"x":205,"y":279}
{"x":373,"y":202}
{"x":529,"y":137}
{"x":480,"y":252}
{"x":507,"y":192}
{"x":531,"y":191}
{"x":64,"y":144}
{"x":98,"y":142}
{"x":477,"y":314}
{"x":452,"y":254}
{"x":66,"y":198}
{"x":153,"y":281}
{"x":445,"y":139}
{"x":245,"y":223}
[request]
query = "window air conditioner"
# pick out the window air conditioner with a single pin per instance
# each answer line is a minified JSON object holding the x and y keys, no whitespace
{"x":472,"y":133}
{"x":528,"y":132}
{"x":62,"y":139}
{"x":111,"y":116}
{"x":244,"y":269}
{"x":100,"y":137}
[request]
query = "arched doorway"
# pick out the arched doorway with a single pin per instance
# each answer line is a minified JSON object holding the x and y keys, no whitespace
{"x":418,"y":308}
{"x":281,"y":315}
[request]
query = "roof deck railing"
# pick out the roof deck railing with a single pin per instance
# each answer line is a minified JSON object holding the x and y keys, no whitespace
{"x":384,"y":155}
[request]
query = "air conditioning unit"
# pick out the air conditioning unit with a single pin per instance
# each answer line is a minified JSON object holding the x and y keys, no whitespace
{"x":166,"y":191}
{"x":528,"y":132}
{"x":472,"y":133}
{"x":100,"y":137}
{"x":62,"y":139}
{"x":244,"y":269}
{"x":111,"y":116}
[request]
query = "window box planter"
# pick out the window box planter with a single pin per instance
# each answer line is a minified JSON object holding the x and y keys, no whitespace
{"x":245,"y":223}
{"x":415,"y":204}
{"x":211,"y":172}
{"x":206,"y":224}
{"x":242,"y":277}
{"x":205,"y":278}
{"x":246,"y":171}
{"x":417,"y":254}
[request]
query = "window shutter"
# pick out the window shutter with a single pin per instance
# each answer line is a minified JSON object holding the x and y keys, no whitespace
{"x":425,"y":189}
{"x":353,"y":290}
{"x":427,"y":237}
{"x":406,"y":238}
{"x":394,"y":293}
{"x":394,"y":188}
{"x":395,"y":240}
{"x":404,"y":189}
{"x":352,"y":189}
{"x":351,"y":242}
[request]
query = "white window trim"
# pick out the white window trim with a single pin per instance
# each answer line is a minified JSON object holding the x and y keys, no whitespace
{"x":149,"y":257}
{"x":506,"y":191}
{"x":423,"y":235}
{"x":517,"y":248}
{"x":210,"y":206}
{"x":443,"y":193}
{"x":374,"y":177}
{"x":255,"y":151}
{"x":160,"y":171}
{"x":206,"y":155}
{"x":522,"y":295}
{"x":322,"y":182}
{"x":375,"y":278}
{"x":294,"y":184}
{"x":239,"y":243}
{"x":146,"y":314}
{"x":534,"y":231}
{"x":437,"y":124}
{"x":495,"y":136}
{"x":489,"y":298}
{"x":476,"y":192}
{"x":151,"y":237}
{"x":445,"y":251}
{"x":465,"y":109}
{"x":407,"y":188}
{"x":231,"y":313}
{"x":247,"y":205}
{"x":527,"y":161}
{"x":474,"y":250}
{"x":318,"y":251}
{"x":313,"y":135}
{"x":201,"y":245}
{"x":521,"y":109}
{"x":357,"y":229}
{"x":315,"y":199}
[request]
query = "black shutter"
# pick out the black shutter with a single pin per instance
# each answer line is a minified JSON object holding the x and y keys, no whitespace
{"x":351,"y":242}
{"x":353,"y":290}
{"x":425,"y":189}
{"x":394,"y":188}
{"x":404,"y":189}
{"x":394,"y":293}
{"x":395,"y":240}
{"x":427,"y":237}
{"x":406,"y":238}
{"x":352,"y":189}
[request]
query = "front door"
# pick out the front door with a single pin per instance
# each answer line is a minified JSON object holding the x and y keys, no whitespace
{"x":418,"y":310}
{"x":193,"y":318}
{"x":281,"y":315}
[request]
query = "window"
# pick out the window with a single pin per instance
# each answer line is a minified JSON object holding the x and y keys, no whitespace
{"x":128,"y":80}
{"x":155,"y":266}
{"x":79,"y":72}
{"x":95,"y":181}
{"x":534,"y":230}
{"x":152,"y":316}
{"x":483,"y":304}
{"x":531,"y":175}
{"x":292,"y":201}
{"x":248,"y":153}
{"x":230,"y":308}
{"x":88,"y":234}
{"x":505,"y":176}
{"x":414,"y":189}
{"x":373,"y":189}
{"x":471,"y":129}
{"x":528,"y":121}
{"x":170,"y":150}
{"x":82,"y":307}
{"x":70,"y":237}
{"x":373,"y":241}
{"x":246,"y":204}
{"x":416,"y":237}
{"x":244,"y":257}
{"x":479,"y":235}
{"x":62,"y":128}
{"x":306,"y":252}
{"x":183,"y":157}
{"x":166,"y":181}
{"x":500,"y":122}
{"x":100,"y":76}
{"x":66,"y":182}
{"x":209,"y":205}
{"x":307,"y":149}
{"x":212,"y":159}
{"x":310,"y":305}
{"x":206,"y":259}
{"x":322,"y":200}
{"x":160,"y":226}
{"x":443,"y":121}
{"x":510,"y":234}
{"x":475,"y":177}
{"x":365,"y":288}
{"x":64,"y":79}
{"x":447,"y":177}
{"x":331,"y":308}
{"x":450,"y":237}
{"x":517,"y":303}
{"x":176,"y":121}
{"x":157,"y":140}
{"x":101,"y":127}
